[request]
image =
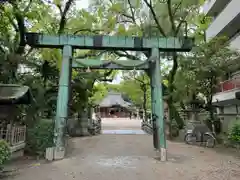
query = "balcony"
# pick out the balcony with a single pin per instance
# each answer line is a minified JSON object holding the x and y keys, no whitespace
{"x":214,"y":7}
{"x":226,"y":92}
{"x":229,"y":85}
{"x":227,"y":22}
{"x":235,"y":43}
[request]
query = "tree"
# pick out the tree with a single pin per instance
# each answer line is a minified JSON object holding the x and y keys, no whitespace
{"x":51,"y":17}
{"x":202,"y":69}
{"x":137,"y":86}
{"x":205,"y":67}
{"x":152,"y":18}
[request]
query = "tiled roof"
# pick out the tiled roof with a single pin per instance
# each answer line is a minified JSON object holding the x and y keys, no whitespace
{"x":14,"y":94}
{"x":114,"y":98}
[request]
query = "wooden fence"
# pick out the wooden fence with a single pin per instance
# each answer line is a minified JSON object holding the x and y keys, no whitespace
{"x":13,"y":135}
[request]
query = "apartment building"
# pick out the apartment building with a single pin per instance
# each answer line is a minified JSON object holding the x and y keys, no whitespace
{"x":226,"y":21}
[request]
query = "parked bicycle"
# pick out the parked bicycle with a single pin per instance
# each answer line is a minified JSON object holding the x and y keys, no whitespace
{"x":196,"y":132}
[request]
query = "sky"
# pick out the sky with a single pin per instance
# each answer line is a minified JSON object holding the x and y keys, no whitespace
{"x":82,"y":4}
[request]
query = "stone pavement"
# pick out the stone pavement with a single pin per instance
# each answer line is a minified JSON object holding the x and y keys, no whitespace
{"x":122,"y":124}
{"x":130,"y":156}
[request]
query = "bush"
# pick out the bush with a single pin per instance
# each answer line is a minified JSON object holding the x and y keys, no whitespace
{"x":4,"y":153}
{"x":40,"y":137}
{"x":234,"y":132}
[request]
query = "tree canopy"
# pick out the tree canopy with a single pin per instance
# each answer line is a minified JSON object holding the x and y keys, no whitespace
{"x":185,"y":74}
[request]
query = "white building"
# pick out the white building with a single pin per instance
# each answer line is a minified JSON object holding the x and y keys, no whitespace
{"x":226,"y":15}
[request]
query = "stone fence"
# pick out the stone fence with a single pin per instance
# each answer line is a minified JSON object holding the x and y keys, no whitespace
{"x":77,"y":127}
{"x":95,"y":127}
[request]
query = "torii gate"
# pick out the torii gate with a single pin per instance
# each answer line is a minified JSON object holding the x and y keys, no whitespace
{"x":70,"y":42}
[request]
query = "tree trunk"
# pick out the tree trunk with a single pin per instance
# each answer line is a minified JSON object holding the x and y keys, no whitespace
{"x":145,"y":118}
{"x":170,"y":119}
{"x":144,"y":90}
{"x":211,"y":116}
{"x":172,"y":110}
{"x":209,"y":103}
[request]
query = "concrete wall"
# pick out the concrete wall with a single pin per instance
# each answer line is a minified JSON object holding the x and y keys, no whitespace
{"x":223,"y":19}
{"x":78,"y":127}
{"x":235,"y":42}
{"x":224,"y":96}
{"x":227,"y":115}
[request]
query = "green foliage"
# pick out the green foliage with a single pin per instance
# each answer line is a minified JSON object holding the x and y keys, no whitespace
{"x":40,"y":137}
{"x":133,"y":89}
{"x":200,"y":71}
{"x":234,"y":132}
{"x":4,"y":153}
{"x":44,"y":64}
{"x":137,"y":86}
{"x":100,"y":90}
{"x":104,"y":17}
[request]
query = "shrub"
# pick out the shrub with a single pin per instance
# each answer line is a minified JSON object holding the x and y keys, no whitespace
{"x":4,"y":153}
{"x":234,"y":132}
{"x":40,"y":137}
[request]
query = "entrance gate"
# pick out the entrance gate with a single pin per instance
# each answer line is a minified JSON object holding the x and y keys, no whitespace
{"x":152,"y":65}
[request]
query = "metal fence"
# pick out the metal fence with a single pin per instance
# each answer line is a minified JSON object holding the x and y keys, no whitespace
{"x":147,"y":126}
{"x":14,"y":135}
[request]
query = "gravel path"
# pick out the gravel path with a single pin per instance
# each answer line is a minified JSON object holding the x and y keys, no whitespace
{"x":131,"y":157}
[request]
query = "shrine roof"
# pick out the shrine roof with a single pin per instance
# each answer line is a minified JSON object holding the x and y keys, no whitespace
{"x":113,"y":99}
{"x":14,"y":94}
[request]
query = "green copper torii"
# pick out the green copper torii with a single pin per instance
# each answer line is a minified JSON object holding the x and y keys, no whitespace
{"x":115,"y":43}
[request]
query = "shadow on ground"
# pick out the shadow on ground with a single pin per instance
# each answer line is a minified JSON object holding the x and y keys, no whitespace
{"x":131,"y":156}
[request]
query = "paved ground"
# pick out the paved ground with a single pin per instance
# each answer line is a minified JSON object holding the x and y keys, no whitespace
{"x":131,"y":157}
{"x":124,"y":124}
{"x":121,"y":126}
